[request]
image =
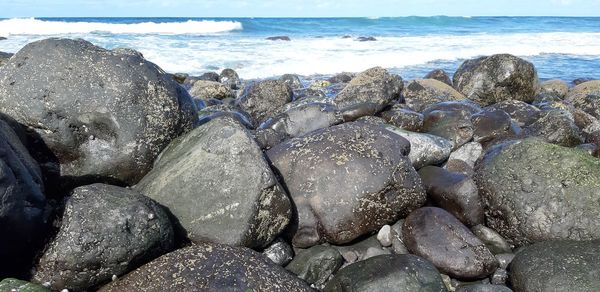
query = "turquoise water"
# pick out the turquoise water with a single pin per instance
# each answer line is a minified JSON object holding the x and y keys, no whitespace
{"x":560,"y":47}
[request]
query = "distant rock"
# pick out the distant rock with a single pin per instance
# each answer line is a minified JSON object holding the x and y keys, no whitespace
{"x":4,"y":57}
{"x":419,"y":94}
{"x":581,"y":80}
{"x":210,"y":89}
{"x":279,"y":38}
{"x":366,"y":39}
{"x":292,"y":80}
{"x":555,"y":87}
{"x":230,"y":78}
{"x":439,"y":75}
{"x":586,"y":96}
{"x":2,"y":38}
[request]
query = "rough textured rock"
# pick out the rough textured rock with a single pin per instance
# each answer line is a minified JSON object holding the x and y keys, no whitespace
{"x":23,"y":221}
{"x":230,"y":79}
{"x":494,"y":241}
{"x":210,"y":89}
{"x":483,"y":288}
{"x":556,"y":127}
{"x":440,"y":238}
{"x":451,"y":120}
{"x":304,"y":119}
{"x":103,"y":115}
{"x":346,"y":180}
{"x":15,"y":285}
{"x":557,"y":266}
{"x":425,"y":149}
{"x":343,"y":77}
{"x":454,"y":192}
{"x":316,"y":264}
{"x":463,"y":159}
{"x":488,"y":80}
{"x":292,"y":80}
{"x":388,"y":273}
{"x":504,"y":259}
{"x":374,"y":88}
{"x":555,"y":87}
{"x":265,"y":99}
{"x":216,"y":181}
{"x":586,"y":96}
{"x":419,"y":94}
{"x":403,"y":118}
{"x":535,"y":191}
{"x":279,"y":252}
{"x":217,"y":111}
{"x":106,"y":230}
{"x":211,"y":267}
{"x":4,"y":57}
{"x":520,"y":112}
{"x":439,"y":75}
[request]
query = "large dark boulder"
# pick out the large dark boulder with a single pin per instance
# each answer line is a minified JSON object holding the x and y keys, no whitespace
{"x":23,"y":217}
{"x":209,"y":267}
{"x":556,"y":127}
{"x":535,"y":191}
{"x":346,"y":181}
{"x":388,"y":273}
{"x":216,"y":181}
{"x":103,"y":115}
{"x":264,"y":99}
{"x":557,"y":266}
{"x":316,"y":264}
{"x":419,"y":94}
{"x":488,"y":80}
{"x":586,"y":96}
{"x":106,"y":230}
{"x":451,"y":120}
{"x":304,"y":119}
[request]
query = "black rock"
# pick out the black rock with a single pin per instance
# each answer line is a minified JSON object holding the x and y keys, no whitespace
{"x":180,"y":77}
{"x":230,"y":78}
{"x":493,"y":124}
{"x":439,"y":75}
{"x":316,"y":264}
{"x":343,"y":77}
{"x":556,"y":127}
{"x":403,"y":118}
{"x":366,"y":39}
{"x":520,"y":112}
{"x":451,"y":120}
{"x":279,"y":38}
{"x":265,"y":99}
{"x":581,"y":80}
{"x":4,"y":57}
{"x":2,"y":38}
{"x":212,"y":76}
{"x":304,"y":119}
{"x":279,"y":251}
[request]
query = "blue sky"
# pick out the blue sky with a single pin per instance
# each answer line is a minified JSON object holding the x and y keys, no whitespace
{"x":296,"y":8}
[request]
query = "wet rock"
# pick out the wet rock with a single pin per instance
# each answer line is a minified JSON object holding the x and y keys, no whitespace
{"x":343,"y":77}
{"x":490,"y":125}
{"x":210,"y":89}
{"x":316,"y":264}
{"x":555,"y":87}
{"x":357,"y":250}
{"x":292,"y":80}
{"x":339,"y":177}
{"x":489,"y":80}
{"x":463,"y":159}
{"x":388,"y":273}
{"x":268,"y":138}
{"x":217,"y":111}
{"x":23,"y":217}
{"x":4,"y":57}
{"x":106,"y":230}
{"x":499,"y":277}
{"x":504,"y":259}
{"x":454,"y":192}
{"x":374,"y":88}
{"x":425,"y":149}
{"x":520,"y":112}
{"x":208,"y":266}
{"x":385,"y":235}
{"x":265,"y":99}
{"x":494,"y":241}
{"x":419,"y":94}
{"x":484,"y":288}
{"x":581,"y":80}
{"x":180,"y":77}
{"x":214,"y":76}
{"x":535,"y":191}
{"x":586,"y":96}
{"x":557,"y":266}
{"x":398,"y":246}
{"x":279,"y":38}
{"x":279,"y":252}
{"x":15,"y":285}
{"x":217,"y":183}
{"x":439,"y":75}
{"x":403,"y":118}
{"x":230,"y":78}
{"x":451,"y":120}
{"x":556,"y":127}
{"x":97,"y":115}
{"x":439,"y":237}
{"x":366,"y":39}
{"x":304,"y":119}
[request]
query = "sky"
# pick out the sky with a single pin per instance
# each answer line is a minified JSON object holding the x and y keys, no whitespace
{"x":295,"y":8}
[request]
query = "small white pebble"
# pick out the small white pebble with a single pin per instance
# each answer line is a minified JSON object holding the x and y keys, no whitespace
{"x":114,"y":277}
{"x":150,"y":216}
{"x":64,"y":290}
{"x":385,"y":235}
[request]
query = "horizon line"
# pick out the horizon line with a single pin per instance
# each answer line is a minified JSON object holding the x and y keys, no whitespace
{"x":315,"y":17}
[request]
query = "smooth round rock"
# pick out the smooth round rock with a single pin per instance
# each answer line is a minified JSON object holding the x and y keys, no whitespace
{"x":439,"y":237}
{"x":439,"y":75}
{"x":385,"y":235}
{"x":492,"y":124}
{"x":451,"y":120}
{"x":425,"y":149}
{"x":230,"y":79}
{"x":316,"y":264}
{"x":494,"y":241}
{"x":520,"y":112}
{"x":264,"y":99}
{"x":419,"y":94}
{"x":304,"y":119}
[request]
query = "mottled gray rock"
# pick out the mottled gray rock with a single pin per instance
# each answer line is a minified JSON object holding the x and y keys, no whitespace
{"x":210,"y":89}
{"x":105,"y":231}
{"x":217,"y":111}
{"x":556,"y":127}
{"x":304,"y":119}
{"x":488,"y":80}
{"x":439,"y":237}
{"x":23,"y":221}
{"x":316,"y":264}
{"x":586,"y":96}
{"x":520,"y":112}
{"x":4,"y":57}
{"x":279,"y":252}
{"x":535,"y":191}
{"x":403,"y":118}
{"x":209,"y":267}
{"x":494,"y":241}
{"x":374,"y":88}
{"x":504,"y":259}
{"x":388,"y":273}
{"x":419,"y":94}
{"x":425,"y":149}
{"x":587,"y":123}
{"x":211,"y":76}
{"x":492,"y":124}
{"x":499,"y":277}
{"x":466,"y":155}
{"x":555,"y":87}
{"x":216,"y":181}
{"x":265,"y":99}
{"x":343,"y":77}
{"x":230,"y":79}
{"x":15,"y":285}
{"x":373,"y":252}
{"x":557,"y":266}
{"x":103,"y":115}
{"x":451,"y":120}
{"x":484,"y":288}
{"x":439,"y":75}
{"x":346,"y":181}
{"x":358,"y":249}
{"x":454,"y":192}
{"x":292,"y":80}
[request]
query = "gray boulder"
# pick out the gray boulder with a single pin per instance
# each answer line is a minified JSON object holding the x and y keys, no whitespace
{"x":555,"y":266}
{"x":210,"y":89}
{"x":265,"y":99}
{"x":555,"y":87}
{"x":488,"y":80}
{"x":102,"y":115}
{"x":209,"y":267}
{"x":340,"y":176}
{"x":586,"y":96}
{"x":419,"y":94}
{"x":425,"y":149}
{"x":451,"y":120}
{"x":484,"y":288}
{"x":556,"y":127}
{"x":304,"y":119}
{"x":520,"y":112}
{"x":491,"y":125}
{"x":106,"y":230}
{"x":535,"y":191}
{"x":403,"y":118}
{"x":439,"y":75}
{"x":4,"y":57}
{"x":216,"y":181}
{"x":230,"y":79}
{"x":316,"y":264}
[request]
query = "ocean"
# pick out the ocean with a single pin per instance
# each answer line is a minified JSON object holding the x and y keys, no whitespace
{"x":560,"y":47}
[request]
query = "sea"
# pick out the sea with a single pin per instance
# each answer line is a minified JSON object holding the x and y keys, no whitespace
{"x":560,"y":47}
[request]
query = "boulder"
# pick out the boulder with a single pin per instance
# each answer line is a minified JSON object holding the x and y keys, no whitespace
{"x":439,"y":75}
{"x":489,"y":80}
{"x":556,"y":127}
{"x":451,"y":120}
{"x":279,"y":38}
{"x":214,"y":76}
{"x":557,"y":266}
{"x":388,"y":273}
{"x":343,"y":77}
{"x":4,"y":57}
{"x":586,"y":96}
{"x":366,"y":39}
{"x":520,"y":112}
{"x":555,"y":87}
{"x":494,"y":241}
{"x":209,"y":267}
{"x":210,"y":89}
{"x":535,"y":191}
{"x":439,"y":237}
{"x":265,"y":99}
{"x":292,"y":80}
{"x":230,"y":78}
{"x":491,"y":125}
{"x":106,"y":230}
{"x":304,"y":119}
{"x":374,"y":89}
{"x":23,"y":206}
{"x":346,"y":181}
{"x":484,"y":288}
{"x":419,"y":94}
{"x":217,"y":183}
{"x":425,"y":149}
{"x":95,"y":114}
{"x":279,"y":252}
{"x":316,"y":264}
{"x":403,"y":118}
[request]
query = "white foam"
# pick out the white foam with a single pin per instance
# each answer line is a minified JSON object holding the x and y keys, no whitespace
{"x":32,"y":26}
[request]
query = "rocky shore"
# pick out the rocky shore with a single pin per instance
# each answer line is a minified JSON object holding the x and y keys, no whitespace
{"x":117,"y":176}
